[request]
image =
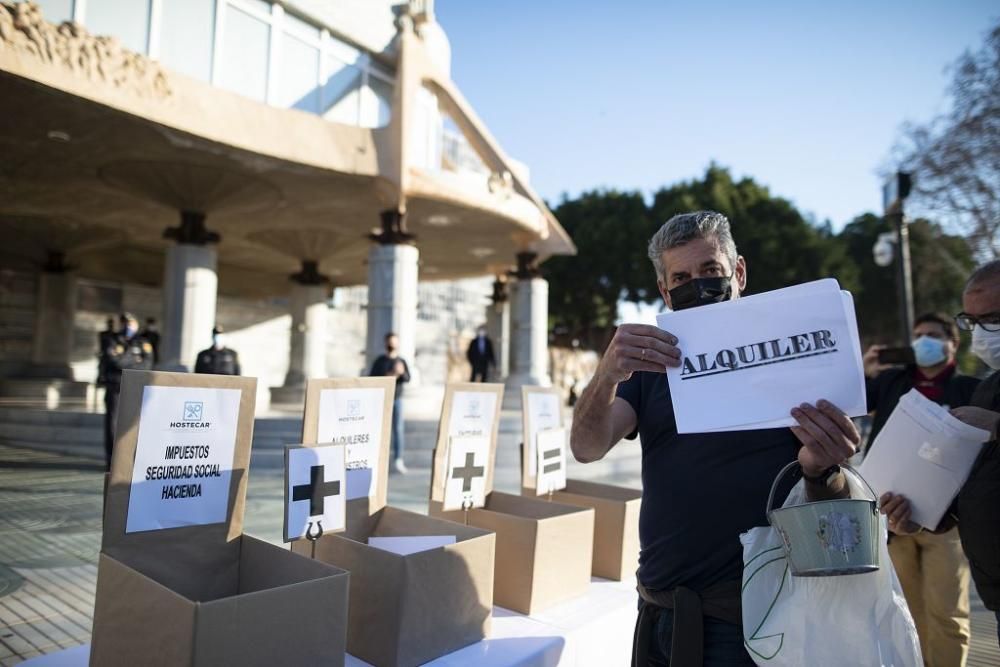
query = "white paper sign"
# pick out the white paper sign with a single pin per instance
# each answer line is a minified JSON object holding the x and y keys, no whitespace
{"x":404,"y":546}
{"x":472,"y":414}
{"x":184,"y":457}
{"x":925,"y":454}
{"x":747,"y":362}
{"x":353,"y":417}
{"x":543,"y":411}
{"x":551,"y":455}
{"x":315,"y":490}
{"x":468,"y":465}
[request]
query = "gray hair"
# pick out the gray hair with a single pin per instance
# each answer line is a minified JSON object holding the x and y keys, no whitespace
{"x":988,"y":272}
{"x":685,"y":227}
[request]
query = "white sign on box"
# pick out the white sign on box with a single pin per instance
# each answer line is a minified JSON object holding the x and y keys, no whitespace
{"x":353,"y":417}
{"x":925,"y":454}
{"x":468,"y":466}
{"x":543,"y":411}
{"x":551,"y":455}
{"x":315,"y":490}
{"x":472,"y":414}
{"x":747,"y":362}
{"x":183,"y":457}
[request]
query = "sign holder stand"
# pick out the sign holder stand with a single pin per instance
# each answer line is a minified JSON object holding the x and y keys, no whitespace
{"x":314,"y":536}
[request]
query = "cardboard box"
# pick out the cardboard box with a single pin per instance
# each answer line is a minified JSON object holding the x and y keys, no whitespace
{"x":616,"y":509}
{"x":543,"y":549}
{"x":205,"y":594}
{"x":616,"y":524}
{"x":404,"y":610}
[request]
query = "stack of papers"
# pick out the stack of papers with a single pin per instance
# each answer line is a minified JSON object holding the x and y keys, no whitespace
{"x":747,"y":362}
{"x":925,"y":454}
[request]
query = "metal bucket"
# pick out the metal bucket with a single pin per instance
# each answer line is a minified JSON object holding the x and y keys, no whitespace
{"x":828,"y":538}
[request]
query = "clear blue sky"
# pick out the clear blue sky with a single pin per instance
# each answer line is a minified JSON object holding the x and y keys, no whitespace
{"x":806,"y":97}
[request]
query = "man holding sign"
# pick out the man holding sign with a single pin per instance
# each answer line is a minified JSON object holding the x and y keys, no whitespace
{"x":700,"y":490}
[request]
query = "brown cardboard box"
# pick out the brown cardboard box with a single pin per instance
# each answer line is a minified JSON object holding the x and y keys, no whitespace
{"x":616,"y":509}
{"x":206,"y":594}
{"x":404,"y":610}
{"x":616,"y":524}
{"x":543,"y":549}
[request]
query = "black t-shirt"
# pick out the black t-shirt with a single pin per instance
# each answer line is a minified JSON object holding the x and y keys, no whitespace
{"x":699,"y":491}
{"x":384,"y":364}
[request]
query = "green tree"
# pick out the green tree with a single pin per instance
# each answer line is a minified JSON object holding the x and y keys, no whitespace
{"x":940,"y":263}
{"x":609,"y":229}
{"x":781,"y":247}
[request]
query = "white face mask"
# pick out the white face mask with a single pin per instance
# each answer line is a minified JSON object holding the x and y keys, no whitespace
{"x":986,"y":346}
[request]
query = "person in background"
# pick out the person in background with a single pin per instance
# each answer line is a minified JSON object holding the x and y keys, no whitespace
{"x":931,"y":566}
{"x":126,"y":350}
{"x":150,"y":333}
{"x":104,"y":339}
{"x":480,"y":356}
{"x":392,"y":365}
{"x":218,"y":359}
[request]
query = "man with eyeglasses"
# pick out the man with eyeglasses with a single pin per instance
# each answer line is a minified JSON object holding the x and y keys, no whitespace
{"x":978,"y":504}
{"x":701,"y":490}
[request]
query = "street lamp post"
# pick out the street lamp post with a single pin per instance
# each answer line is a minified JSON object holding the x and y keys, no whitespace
{"x":894,"y":192}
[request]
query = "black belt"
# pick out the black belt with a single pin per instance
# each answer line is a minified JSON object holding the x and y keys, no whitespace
{"x":721,"y":601}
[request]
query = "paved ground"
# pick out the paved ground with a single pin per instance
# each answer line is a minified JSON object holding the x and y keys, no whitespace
{"x":50,"y":531}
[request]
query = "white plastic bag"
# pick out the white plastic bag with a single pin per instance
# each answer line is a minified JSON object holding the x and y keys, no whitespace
{"x":859,"y":619}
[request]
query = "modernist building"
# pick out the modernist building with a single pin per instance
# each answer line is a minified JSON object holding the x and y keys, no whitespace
{"x":242,"y":161}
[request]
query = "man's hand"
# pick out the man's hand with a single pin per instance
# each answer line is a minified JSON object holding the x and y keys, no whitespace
{"x":897,"y":508}
{"x":871,"y":362}
{"x":638,"y":347}
{"x":399,"y":368}
{"x":978,"y":417}
{"x":827,"y":435}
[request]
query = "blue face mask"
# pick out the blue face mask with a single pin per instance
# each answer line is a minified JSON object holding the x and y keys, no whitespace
{"x":929,"y":351}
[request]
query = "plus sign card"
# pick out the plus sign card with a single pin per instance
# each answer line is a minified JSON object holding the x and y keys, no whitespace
{"x":466,"y":444}
{"x":468,"y":463}
{"x":315,"y":490}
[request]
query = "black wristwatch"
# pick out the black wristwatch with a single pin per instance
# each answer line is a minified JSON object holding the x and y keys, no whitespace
{"x":824,"y":478}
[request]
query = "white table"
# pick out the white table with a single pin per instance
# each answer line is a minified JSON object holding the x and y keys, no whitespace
{"x":592,"y":630}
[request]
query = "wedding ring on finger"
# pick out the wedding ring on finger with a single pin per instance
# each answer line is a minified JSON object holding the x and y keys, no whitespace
{"x":643,"y":354}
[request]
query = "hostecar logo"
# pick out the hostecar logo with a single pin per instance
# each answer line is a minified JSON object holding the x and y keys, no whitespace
{"x":193,"y":416}
{"x":763,"y":353}
{"x":353,"y":411}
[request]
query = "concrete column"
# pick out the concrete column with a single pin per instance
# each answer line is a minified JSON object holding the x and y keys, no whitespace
{"x":307,"y":338}
{"x":529,"y":305}
{"x":392,"y":292}
{"x":498,"y":328}
{"x":54,"y":313}
{"x":190,"y":286}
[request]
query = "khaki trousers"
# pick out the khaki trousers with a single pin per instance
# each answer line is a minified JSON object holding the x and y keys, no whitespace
{"x":935,"y":578}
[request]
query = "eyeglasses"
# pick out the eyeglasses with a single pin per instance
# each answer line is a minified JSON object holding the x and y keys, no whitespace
{"x":989,"y":321}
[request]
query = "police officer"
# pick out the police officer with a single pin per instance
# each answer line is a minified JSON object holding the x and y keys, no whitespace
{"x":125,"y":350}
{"x":218,"y":359}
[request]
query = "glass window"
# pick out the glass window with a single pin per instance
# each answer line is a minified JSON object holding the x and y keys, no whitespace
{"x":302,"y":29}
{"x":56,"y":11}
{"x":341,"y":92}
{"x":128,"y":21}
{"x":186,"y":33}
{"x":245,"y":44}
{"x":298,"y":82}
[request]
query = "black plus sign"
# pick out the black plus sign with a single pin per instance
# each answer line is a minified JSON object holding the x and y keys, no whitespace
{"x":316,"y":490}
{"x":468,"y":472}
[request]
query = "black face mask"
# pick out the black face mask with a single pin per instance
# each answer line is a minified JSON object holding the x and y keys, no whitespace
{"x":701,"y":292}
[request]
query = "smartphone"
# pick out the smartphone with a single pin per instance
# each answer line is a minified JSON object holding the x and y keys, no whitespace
{"x":896,"y":355}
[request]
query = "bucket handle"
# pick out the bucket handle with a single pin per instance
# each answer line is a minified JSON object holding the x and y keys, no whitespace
{"x":793,"y":464}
